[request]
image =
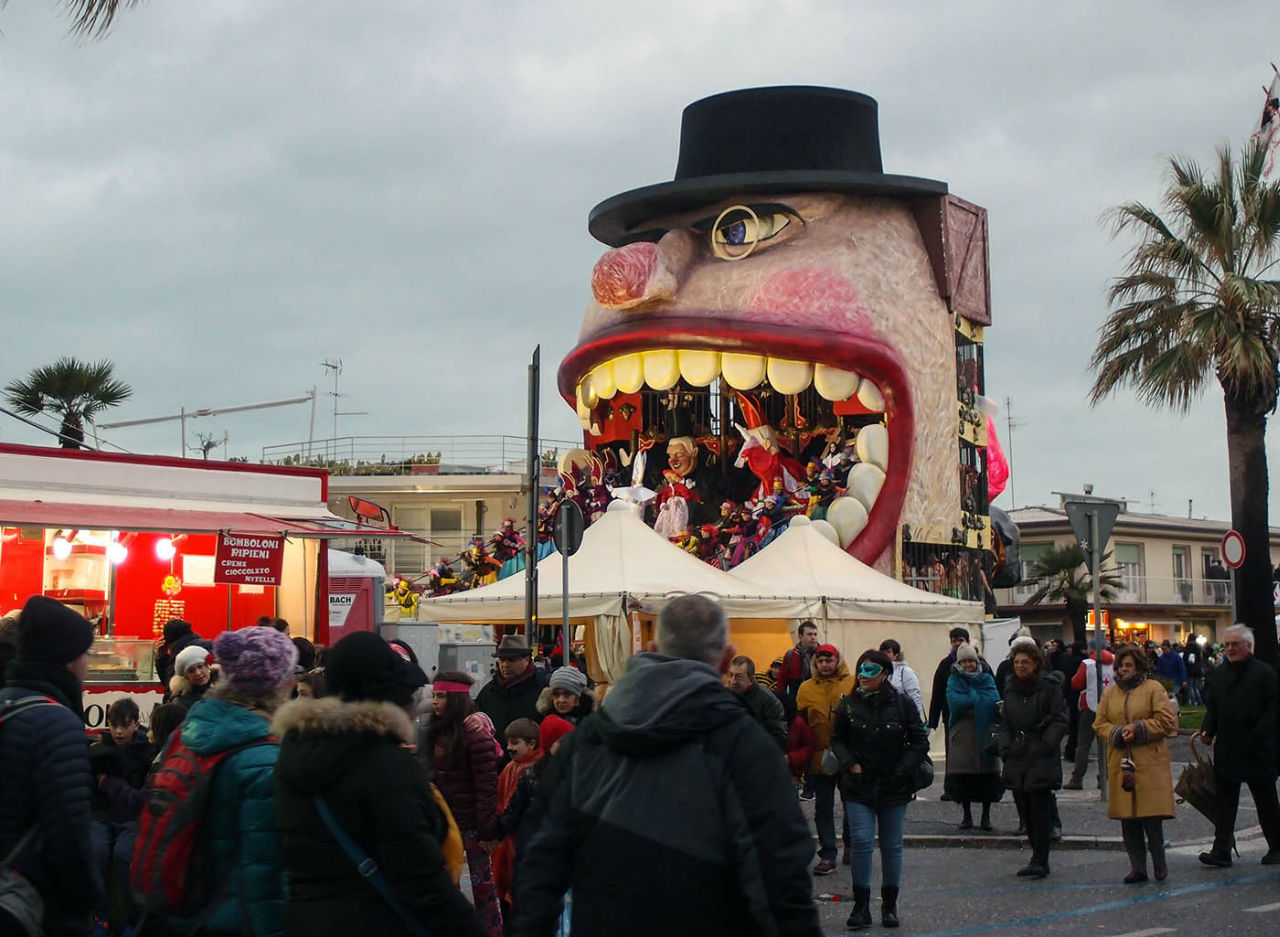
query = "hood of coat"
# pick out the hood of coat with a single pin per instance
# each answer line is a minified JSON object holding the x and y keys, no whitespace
{"x":662,"y":702}
{"x":215,"y":724}
{"x":842,"y":673}
{"x":321,"y":739}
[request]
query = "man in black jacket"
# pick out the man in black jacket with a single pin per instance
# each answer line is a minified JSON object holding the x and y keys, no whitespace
{"x":45,"y":781}
{"x":763,"y":705}
{"x":672,"y":813}
{"x":1240,"y":721}
{"x":513,"y":692}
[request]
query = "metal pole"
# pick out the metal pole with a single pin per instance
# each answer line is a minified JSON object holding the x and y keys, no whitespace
{"x":182,"y":420}
{"x":1098,"y":640}
{"x":311,"y":434}
{"x":563,"y":519}
{"x":534,"y":476}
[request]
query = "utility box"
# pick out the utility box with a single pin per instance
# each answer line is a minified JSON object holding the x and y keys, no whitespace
{"x":474,"y":658}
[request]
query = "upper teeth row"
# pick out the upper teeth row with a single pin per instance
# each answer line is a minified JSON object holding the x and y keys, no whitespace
{"x":663,"y":368}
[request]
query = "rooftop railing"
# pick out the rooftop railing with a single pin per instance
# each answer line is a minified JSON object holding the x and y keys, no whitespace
{"x":1144,"y":590}
{"x":417,"y":455}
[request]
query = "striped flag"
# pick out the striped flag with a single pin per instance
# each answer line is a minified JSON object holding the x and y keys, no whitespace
{"x":1268,"y":125}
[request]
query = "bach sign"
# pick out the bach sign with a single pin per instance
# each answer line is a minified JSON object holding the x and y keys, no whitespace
{"x":248,"y":559}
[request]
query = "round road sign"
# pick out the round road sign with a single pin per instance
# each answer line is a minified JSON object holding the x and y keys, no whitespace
{"x":1233,"y":549}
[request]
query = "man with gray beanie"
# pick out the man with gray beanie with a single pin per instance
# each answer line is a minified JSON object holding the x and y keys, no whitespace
{"x":46,"y":780}
{"x":668,"y":811}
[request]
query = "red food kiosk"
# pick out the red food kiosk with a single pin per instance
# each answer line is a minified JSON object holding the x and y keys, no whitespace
{"x":133,"y":541}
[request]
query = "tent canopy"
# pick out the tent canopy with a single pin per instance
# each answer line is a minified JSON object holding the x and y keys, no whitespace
{"x":620,"y":557}
{"x":803,"y":566}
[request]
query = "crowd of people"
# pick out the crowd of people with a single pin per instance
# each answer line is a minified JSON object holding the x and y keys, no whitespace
{"x":283,"y":789}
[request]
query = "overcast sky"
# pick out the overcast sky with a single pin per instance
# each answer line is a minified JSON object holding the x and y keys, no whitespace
{"x":218,"y":196}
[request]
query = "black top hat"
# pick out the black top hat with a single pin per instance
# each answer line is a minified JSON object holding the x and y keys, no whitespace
{"x":798,"y":139}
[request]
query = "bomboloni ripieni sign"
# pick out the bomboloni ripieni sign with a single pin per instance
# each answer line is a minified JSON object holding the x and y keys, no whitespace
{"x":248,"y":559}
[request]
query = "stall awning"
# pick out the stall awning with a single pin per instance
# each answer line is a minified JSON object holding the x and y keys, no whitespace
{"x":176,"y":520}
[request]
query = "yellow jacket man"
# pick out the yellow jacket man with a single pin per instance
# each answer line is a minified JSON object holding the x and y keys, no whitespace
{"x":816,"y":702}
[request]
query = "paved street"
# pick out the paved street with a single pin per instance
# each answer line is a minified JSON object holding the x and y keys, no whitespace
{"x":963,"y":884}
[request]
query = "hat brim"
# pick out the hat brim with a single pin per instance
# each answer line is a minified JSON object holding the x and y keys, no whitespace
{"x":617,"y":220}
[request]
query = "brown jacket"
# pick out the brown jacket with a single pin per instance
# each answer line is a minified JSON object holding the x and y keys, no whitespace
{"x":816,"y":702}
{"x":1146,"y":706}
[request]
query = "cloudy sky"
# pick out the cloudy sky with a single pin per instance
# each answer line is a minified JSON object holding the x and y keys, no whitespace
{"x":219,"y":196}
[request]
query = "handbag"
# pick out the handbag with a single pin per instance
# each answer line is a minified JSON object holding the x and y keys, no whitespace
{"x":369,"y":870}
{"x":922,"y":777}
{"x":18,"y":897}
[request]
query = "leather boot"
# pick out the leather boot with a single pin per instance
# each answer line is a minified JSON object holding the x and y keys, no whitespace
{"x":889,"y":905}
{"x":860,"y":916}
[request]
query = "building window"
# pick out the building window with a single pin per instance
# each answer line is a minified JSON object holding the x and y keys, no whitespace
{"x":446,"y":530}
{"x":1128,"y":560}
{"x":1183,"y":587}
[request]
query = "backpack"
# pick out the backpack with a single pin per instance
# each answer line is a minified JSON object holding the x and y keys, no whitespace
{"x":170,"y":872}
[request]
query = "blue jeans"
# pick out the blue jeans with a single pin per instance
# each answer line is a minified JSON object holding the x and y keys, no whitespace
{"x":862,"y":831}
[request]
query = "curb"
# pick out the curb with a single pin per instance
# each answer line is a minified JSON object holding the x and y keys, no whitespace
{"x":1000,"y":841}
{"x":1005,"y":841}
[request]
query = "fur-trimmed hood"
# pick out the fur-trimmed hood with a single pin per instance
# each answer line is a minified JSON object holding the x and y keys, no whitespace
{"x":331,"y":716}
{"x":323,"y":739}
{"x":586,"y":703}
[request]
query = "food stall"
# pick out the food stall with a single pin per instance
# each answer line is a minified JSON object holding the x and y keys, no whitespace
{"x":133,"y":541}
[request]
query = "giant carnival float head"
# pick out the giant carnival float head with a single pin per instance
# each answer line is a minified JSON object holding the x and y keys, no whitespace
{"x":787,"y":328}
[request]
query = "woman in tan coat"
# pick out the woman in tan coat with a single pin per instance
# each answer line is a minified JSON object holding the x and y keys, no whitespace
{"x":1134,"y":719}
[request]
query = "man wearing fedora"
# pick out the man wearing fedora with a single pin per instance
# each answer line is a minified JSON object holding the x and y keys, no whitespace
{"x":513,"y":692}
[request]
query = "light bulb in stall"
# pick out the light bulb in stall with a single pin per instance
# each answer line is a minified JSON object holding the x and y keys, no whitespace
{"x":165,"y":549}
{"x":61,"y":547}
{"x":117,"y":552}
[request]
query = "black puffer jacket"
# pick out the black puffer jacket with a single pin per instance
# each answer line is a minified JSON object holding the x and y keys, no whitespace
{"x":356,"y":756}
{"x":673,"y":774}
{"x":1241,"y":719}
{"x":1035,"y":721}
{"x":767,"y":710}
{"x":129,"y":765}
{"x":504,"y":704}
{"x":886,"y":736}
{"x":45,"y":779}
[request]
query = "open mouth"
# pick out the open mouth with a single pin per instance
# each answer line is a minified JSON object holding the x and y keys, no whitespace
{"x":638,"y":382}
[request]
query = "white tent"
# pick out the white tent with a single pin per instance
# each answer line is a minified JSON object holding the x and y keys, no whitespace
{"x":621,"y":562}
{"x":854,"y":606}
{"x":802,"y":566}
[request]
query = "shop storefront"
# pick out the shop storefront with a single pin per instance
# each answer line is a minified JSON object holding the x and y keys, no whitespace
{"x":131,"y":542}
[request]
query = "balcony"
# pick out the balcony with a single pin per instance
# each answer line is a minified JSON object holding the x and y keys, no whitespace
{"x":417,"y":455}
{"x":1142,"y":590}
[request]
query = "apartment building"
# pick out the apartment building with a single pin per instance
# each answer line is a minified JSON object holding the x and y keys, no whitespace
{"x":1173,"y":582}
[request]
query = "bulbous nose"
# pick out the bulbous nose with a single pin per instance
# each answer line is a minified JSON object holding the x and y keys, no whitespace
{"x":643,"y":272}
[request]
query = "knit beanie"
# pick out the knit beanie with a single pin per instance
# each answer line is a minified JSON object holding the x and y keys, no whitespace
{"x":827,"y":649}
{"x":569,"y":678}
{"x":189,"y":657}
{"x":49,"y":631}
{"x":1021,"y":644}
{"x":175,"y":628}
{"x":966,"y":652}
{"x":362,"y":666}
{"x":255,"y":659}
{"x":552,"y":729}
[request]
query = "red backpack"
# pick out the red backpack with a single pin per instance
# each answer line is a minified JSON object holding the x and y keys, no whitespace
{"x":170,"y":873}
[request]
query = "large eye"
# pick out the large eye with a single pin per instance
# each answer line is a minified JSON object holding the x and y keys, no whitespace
{"x":737,"y":230}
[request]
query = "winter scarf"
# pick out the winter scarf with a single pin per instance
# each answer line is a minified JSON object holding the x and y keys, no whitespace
{"x":978,"y":690}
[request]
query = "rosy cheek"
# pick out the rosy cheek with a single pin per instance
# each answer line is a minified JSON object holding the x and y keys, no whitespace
{"x":810,"y":296}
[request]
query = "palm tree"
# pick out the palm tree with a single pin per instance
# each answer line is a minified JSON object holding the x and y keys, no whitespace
{"x":1063,"y":578}
{"x":1193,"y":304}
{"x":72,"y":389}
{"x":94,"y":17}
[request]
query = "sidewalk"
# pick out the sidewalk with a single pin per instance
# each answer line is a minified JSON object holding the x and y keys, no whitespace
{"x":932,"y":822}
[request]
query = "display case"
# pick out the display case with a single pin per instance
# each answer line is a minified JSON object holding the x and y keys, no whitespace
{"x":120,"y":660}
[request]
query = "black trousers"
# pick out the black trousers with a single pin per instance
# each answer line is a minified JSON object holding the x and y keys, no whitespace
{"x":1264,"y":798}
{"x":1036,"y":808}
